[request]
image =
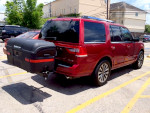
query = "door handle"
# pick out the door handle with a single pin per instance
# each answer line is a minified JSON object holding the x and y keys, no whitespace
{"x":113,"y":47}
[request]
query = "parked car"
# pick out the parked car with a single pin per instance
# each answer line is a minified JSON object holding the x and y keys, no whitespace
{"x":92,"y":46}
{"x":9,"y":31}
{"x":30,"y":34}
{"x":85,"y":46}
{"x":146,"y":38}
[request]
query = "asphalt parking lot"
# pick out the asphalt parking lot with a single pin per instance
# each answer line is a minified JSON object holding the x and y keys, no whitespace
{"x":128,"y":91}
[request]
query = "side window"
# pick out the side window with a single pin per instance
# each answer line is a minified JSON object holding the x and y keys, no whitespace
{"x":94,"y":32}
{"x":8,"y":28}
{"x":116,"y":34}
{"x":111,"y":33}
{"x":126,"y":35}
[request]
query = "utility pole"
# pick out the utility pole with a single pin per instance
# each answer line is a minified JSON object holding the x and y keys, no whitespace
{"x":50,"y":9}
{"x":107,"y":9}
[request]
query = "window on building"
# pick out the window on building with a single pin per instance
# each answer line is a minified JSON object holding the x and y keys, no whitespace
{"x":94,"y":32}
{"x":70,"y":9}
{"x":136,"y":14}
{"x":75,"y":11}
{"x":116,"y":32}
{"x":126,"y":35}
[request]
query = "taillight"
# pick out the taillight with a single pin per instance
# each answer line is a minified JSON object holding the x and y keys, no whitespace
{"x":79,"y":51}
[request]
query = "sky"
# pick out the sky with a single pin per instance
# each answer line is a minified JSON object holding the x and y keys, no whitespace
{"x":142,"y":4}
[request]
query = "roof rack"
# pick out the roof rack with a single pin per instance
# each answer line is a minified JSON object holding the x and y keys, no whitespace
{"x":99,"y":19}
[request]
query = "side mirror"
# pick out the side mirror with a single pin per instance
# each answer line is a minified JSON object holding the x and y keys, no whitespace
{"x":137,"y":39}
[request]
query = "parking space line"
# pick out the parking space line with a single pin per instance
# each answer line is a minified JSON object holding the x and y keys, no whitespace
{"x":91,"y":101}
{"x":3,"y":56}
{"x":13,"y":75}
{"x":147,"y":58}
{"x":130,"y":105}
{"x":145,"y":96}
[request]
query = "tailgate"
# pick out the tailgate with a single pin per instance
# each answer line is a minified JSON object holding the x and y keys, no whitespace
{"x":66,"y":55}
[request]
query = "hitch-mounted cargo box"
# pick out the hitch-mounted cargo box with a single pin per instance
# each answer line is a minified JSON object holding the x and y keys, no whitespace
{"x":35,"y":56}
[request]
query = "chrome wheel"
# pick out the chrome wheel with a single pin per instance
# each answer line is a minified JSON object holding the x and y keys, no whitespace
{"x":140,"y":60}
{"x":103,"y":72}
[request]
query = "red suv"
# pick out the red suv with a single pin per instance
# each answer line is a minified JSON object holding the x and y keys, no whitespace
{"x":92,"y":47}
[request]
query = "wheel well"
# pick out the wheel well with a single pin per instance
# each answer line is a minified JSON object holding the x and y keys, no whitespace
{"x":142,"y":50}
{"x":105,"y":58}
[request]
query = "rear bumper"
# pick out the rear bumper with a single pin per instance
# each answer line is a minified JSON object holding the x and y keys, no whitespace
{"x":75,"y":71}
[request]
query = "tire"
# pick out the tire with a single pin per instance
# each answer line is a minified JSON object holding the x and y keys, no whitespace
{"x":138,"y":64}
{"x":102,"y":73}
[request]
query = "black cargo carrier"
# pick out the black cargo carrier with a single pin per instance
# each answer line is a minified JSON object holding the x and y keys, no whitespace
{"x":35,"y":56}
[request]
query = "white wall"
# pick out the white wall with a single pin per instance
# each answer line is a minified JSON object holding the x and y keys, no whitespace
{"x":95,"y":8}
{"x":46,"y":11}
{"x":2,"y":19}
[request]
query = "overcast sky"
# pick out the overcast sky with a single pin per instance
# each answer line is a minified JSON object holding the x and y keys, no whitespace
{"x":142,"y":4}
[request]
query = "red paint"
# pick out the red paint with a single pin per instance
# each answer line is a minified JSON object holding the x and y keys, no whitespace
{"x":83,"y":58}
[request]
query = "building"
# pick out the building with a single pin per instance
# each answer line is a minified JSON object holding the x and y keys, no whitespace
{"x":2,"y":19}
{"x":130,"y":16}
{"x":97,"y":8}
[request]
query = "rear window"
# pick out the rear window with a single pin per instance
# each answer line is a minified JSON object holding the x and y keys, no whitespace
{"x":28,"y":35}
{"x":66,"y":31}
{"x":94,"y":32}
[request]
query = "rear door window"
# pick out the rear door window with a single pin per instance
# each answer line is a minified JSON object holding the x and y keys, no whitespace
{"x":66,"y":31}
{"x":94,"y":32}
{"x":126,"y":35}
{"x":116,"y":32}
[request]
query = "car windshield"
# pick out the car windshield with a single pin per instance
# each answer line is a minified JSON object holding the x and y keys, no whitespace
{"x":66,"y":31}
{"x":28,"y":35}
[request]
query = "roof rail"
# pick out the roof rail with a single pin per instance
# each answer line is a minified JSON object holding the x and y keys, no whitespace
{"x":95,"y":18}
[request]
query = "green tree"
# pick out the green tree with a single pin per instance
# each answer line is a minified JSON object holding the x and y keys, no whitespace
{"x":32,"y":14}
{"x":147,"y":28}
{"x":13,"y":13}
{"x":25,"y":13}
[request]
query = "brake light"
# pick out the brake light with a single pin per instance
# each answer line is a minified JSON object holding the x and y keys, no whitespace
{"x":79,"y":51}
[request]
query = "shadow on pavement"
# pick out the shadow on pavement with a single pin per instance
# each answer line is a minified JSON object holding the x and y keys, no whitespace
{"x":26,"y":94}
{"x":60,"y":84}
{"x":6,"y":62}
{"x":121,"y":71}
{"x":70,"y":87}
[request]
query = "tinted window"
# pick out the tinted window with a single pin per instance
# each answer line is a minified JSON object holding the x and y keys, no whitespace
{"x":9,"y":28}
{"x":28,"y":35}
{"x":67,"y":31}
{"x":116,"y":34}
{"x":16,"y":29}
{"x":126,"y":35}
{"x":94,"y":32}
{"x":111,"y":33}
